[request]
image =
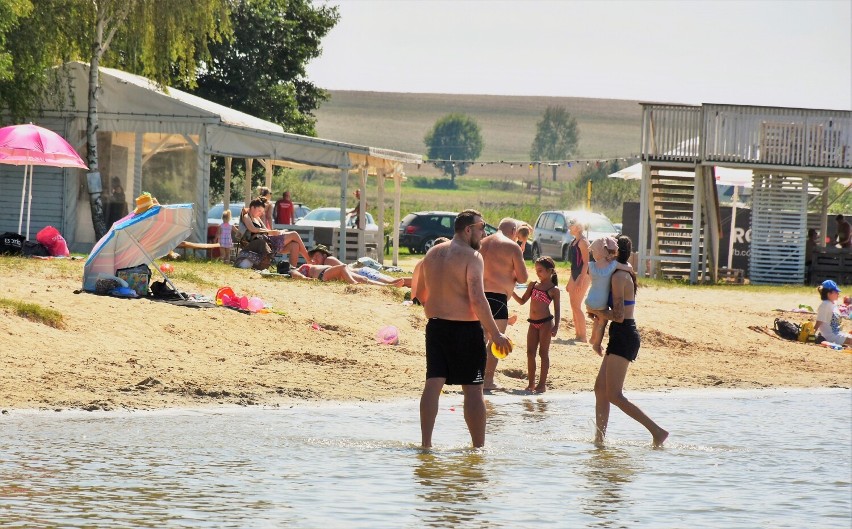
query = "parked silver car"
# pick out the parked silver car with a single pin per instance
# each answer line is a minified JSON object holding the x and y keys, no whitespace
{"x":551,"y":236}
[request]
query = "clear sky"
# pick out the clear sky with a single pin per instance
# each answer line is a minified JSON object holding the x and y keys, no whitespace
{"x":770,"y":52}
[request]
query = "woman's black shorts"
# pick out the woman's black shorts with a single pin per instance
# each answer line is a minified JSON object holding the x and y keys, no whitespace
{"x":455,"y":350}
{"x":623,"y":340}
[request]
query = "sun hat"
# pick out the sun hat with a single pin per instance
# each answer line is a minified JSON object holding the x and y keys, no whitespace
{"x":144,"y":202}
{"x":830,"y":286}
{"x":320,"y":248}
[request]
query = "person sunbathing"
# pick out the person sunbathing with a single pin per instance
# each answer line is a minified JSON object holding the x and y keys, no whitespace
{"x":339,"y":272}
{"x":321,"y":255}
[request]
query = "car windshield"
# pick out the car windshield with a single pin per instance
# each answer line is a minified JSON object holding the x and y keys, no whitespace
{"x":323,"y":214}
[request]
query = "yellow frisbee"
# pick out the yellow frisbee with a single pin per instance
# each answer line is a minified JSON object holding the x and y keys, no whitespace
{"x":501,"y":353}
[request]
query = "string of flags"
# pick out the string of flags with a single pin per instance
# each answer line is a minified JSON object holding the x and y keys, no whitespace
{"x":587,"y":162}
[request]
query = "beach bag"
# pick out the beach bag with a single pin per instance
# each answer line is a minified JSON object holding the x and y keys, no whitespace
{"x":138,"y":278}
{"x":53,"y":241}
{"x":786,"y":329}
{"x":11,"y":243}
{"x":34,"y":249}
{"x":806,"y":332}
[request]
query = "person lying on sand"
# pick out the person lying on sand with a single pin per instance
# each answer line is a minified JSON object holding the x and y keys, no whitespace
{"x":321,"y":255}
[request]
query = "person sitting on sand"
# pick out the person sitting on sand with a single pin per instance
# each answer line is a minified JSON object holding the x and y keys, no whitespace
{"x":828,"y":316}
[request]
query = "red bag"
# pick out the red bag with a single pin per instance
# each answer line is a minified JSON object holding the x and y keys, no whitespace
{"x":53,"y":241}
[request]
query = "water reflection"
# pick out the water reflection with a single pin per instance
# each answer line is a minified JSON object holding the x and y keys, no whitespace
{"x":452,"y":486}
{"x":535,"y":410}
{"x":608,"y":470}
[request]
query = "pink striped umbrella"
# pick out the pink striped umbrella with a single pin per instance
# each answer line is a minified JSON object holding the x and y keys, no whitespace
{"x":138,"y":238}
{"x":30,"y":145}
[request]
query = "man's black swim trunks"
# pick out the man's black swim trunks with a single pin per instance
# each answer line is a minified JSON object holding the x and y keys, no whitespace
{"x":455,"y":350}
{"x":499,"y":304}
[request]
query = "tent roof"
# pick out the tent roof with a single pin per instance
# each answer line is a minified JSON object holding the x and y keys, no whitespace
{"x":135,"y":103}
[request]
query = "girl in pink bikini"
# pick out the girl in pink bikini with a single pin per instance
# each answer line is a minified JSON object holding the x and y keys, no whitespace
{"x":543,"y":324}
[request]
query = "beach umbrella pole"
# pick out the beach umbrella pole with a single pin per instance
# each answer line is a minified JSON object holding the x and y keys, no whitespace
{"x":29,"y":202}
{"x":151,"y":260}
{"x":23,"y":196}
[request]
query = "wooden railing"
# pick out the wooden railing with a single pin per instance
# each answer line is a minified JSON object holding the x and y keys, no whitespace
{"x":778,"y":136}
{"x":770,"y":136}
{"x":671,"y":132}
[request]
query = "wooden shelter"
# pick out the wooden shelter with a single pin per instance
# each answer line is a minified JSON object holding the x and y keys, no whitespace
{"x":794,"y":155}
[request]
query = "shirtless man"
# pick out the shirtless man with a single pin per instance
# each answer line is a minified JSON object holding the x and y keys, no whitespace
{"x":504,"y":267}
{"x":448,"y":283}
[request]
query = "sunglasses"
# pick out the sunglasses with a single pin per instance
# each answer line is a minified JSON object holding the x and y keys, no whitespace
{"x":480,"y":225}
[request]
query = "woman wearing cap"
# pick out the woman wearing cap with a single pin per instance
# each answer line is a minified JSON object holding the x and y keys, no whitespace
{"x":579,"y":280}
{"x":828,"y":316}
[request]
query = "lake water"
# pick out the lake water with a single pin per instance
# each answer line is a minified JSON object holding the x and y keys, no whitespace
{"x":735,"y":459}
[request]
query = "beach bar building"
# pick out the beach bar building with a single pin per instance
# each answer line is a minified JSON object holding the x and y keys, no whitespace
{"x":162,"y":141}
{"x":794,"y":155}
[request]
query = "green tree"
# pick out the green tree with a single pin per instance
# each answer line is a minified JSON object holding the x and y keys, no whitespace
{"x":454,"y":142}
{"x":556,"y":135}
{"x":164,"y":40}
{"x":260,"y":69}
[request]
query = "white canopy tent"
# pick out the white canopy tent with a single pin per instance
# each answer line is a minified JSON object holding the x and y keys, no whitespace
{"x":140,"y":121}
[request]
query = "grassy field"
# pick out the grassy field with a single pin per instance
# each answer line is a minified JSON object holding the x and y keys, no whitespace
{"x":608,"y":127}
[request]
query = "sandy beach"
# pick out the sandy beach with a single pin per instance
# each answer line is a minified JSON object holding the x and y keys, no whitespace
{"x":319,"y":344}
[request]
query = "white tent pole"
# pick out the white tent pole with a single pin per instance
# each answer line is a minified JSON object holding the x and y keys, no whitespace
{"x":380,"y":212}
{"x":29,"y":201}
{"x":23,"y":197}
{"x":735,"y":198}
{"x":341,"y":245}
{"x":397,"y":193}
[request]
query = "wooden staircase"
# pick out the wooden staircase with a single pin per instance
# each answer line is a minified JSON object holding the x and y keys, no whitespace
{"x":672,"y":198}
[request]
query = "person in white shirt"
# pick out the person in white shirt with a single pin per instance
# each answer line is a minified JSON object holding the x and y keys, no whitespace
{"x":828,"y":317}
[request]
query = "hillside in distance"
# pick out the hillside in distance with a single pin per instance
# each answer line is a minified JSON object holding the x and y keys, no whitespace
{"x":608,"y":128}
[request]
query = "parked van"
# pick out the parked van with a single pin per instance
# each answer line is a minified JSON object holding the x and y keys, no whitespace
{"x":551,"y":236}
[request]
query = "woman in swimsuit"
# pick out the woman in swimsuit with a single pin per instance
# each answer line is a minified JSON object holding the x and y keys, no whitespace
{"x":543,"y":326}
{"x":623,"y":347}
{"x":339,"y":272}
{"x":578,"y":283}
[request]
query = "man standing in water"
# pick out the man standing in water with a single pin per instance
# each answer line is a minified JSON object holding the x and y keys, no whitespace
{"x":449,"y":284}
{"x":504,"y":267}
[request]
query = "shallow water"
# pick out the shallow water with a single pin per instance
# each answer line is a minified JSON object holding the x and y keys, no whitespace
{"x":777,"y":458}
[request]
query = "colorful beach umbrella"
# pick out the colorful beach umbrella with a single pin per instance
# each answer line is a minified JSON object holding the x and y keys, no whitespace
{"x":30,"y":145}
{"x":139,"y":238}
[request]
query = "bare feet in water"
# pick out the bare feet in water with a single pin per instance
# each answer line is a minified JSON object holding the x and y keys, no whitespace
{"x":660,"y":437}
{"x":530,"y":389}
{"x":541,"y":388}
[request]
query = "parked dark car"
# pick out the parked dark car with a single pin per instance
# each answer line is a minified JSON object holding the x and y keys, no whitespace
{"x":418,"y":231}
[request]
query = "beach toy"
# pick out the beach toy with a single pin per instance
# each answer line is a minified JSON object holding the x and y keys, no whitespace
{"x":167,"y":268}
{"x":254,"y":304}
{"x":244,"y":303}
{"x":501,"y":353}
{"x":224,"y":291}
{"x":388,"y":335}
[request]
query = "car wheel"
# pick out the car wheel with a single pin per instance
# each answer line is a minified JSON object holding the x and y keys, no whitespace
{"x":536,"y":253}
{"x":565,"y":253}
{"x":428,"y":245}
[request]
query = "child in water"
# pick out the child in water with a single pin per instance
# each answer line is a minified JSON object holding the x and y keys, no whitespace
{"x":225,"y":236}
{"x":603,"y":251}
{"x":543,"y":326}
